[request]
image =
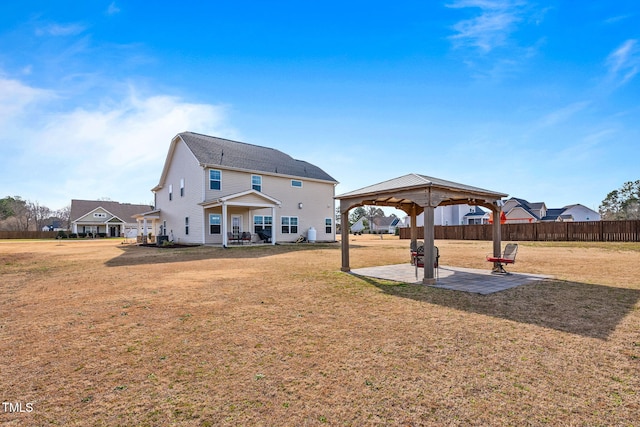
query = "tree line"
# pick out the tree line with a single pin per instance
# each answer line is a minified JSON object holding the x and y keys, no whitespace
{"x":17,"y":214}
{"x":623,"y":203}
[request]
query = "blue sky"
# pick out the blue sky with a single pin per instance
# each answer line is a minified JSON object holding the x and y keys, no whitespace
{"x":540,"y":100}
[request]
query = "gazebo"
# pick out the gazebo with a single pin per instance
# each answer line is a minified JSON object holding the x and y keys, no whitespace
{"x":414,"y":194}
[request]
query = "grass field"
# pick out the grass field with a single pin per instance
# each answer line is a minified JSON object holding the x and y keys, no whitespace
{"x":100,"y":333}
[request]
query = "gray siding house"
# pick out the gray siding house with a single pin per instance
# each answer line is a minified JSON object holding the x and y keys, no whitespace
{"x":114,"y":219}
{"x":212,"y":190}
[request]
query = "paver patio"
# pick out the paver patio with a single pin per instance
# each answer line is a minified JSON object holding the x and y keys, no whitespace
{"x":454,"y":278}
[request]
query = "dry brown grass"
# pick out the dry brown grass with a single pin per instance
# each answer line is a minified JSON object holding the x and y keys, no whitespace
{"x":100,"y":333}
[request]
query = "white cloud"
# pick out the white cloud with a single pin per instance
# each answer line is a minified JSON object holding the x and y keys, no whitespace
{"x":60,"y":30}
{"x":16,"y":97}
{"x":116,"y":150}
{"x":492,"y":28}
{"x":563,"y":114}
{"x":113,"y":9}
{"x":623,"y":63}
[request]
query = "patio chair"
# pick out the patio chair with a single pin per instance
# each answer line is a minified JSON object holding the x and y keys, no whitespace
{"x":246,"y":237}
{"x":413,"y":247}
{"x":507,"y":257}
{"x":233,"y":237}
{"x":417,"y":258}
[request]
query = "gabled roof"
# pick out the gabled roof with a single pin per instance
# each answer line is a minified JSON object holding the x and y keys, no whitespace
{"x":526,"y":206}
{"x":385,"y":221}
{"x":124,"y":211}
{"x":414,"y":180}
{"x":553,"y":214}
{"x":219,"y":152}
{"x":477,"y":212}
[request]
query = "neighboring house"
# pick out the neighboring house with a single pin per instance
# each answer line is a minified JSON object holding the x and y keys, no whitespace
{"x":379,"y":224}
{"x":454,"y":215}
{"x":575,"y":212}
{"x":99,"y":216}
{"x":210,"y":187}
{"x":54,"y":225}
{"x":521,"y":211}
{"x":359,"y":225}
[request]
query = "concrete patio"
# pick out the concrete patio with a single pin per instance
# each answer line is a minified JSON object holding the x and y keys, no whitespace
{"x":453,"y":278}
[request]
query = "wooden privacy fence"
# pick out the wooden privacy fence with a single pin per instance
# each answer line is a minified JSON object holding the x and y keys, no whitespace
{"x":588,"y":231}
{"x":28,"y":234}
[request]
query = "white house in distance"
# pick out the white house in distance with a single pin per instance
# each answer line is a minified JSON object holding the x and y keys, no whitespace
{"x":212,"y":190}
{"x":114,"y":219}
{"x":522,"y":211}
{"x":454,"y":215}
{"x":516,"y":211}
{"x":379,"y":225}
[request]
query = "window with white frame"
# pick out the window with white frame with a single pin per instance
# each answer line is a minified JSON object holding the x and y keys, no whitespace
{"x":328,"y":225}
{"x":289,"y":224}
{"x":181,"y":187}
{"x":214,"y":223}
{"x":186,"y":225}
{"x":296,"y":183}
{"x":215,"y":179}
{"x":170,"y":191}
{"x":256,"y":182}
{"x":99,"y":215}
{"x":262,"y":222}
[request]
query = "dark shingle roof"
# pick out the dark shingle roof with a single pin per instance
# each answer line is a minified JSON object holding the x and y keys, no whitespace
{"x":124,"y":211}
{"x":213,"y":151}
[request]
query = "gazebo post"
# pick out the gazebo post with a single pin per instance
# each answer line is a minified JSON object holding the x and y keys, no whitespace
{"x":497,"y":234}
{"x":344,"y":232}
{"x":429,"y":240}
{"x":414,"y":226}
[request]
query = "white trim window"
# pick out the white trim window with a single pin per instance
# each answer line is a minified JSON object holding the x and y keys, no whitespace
{"x":181,"y":187}
{"x":262,"y":222}
{"x":289,"y":224}
{"x":296,"y":183}
{"x":256,"y":182}
{"x":186,"y":225}
{"x":215,"y":179}
{"x":328,"y":226}
{"x":170,"y":192}
{"x":99,"y":215}
{"x":215,"y":221}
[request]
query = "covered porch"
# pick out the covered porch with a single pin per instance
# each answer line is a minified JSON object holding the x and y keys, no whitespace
{"x":230,"y":216}
{"x":148,"y":226}
{"x":415,"y":194}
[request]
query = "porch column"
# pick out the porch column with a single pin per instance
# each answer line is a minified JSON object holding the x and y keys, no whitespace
{"x":497,"y":235}
{"x":344,"y":232}
{"x":274,"y":228}
{"x":225,"y":241}
{"x":429,"y":241}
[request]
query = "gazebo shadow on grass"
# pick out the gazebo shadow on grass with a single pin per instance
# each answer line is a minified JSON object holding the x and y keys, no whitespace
{"x":584,"y":309}
{"x":139,"y":255}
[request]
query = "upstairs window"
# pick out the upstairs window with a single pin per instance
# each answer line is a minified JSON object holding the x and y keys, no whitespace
{"x":256,"y":182}
{"x":99,"y":215}
{"x":296,"y":183}
{"x":215,"y":179}
{"x":170,"y":192}
{"x":181,"y":187}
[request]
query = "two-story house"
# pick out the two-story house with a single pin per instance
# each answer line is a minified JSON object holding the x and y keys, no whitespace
{"x":212,"y":190}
